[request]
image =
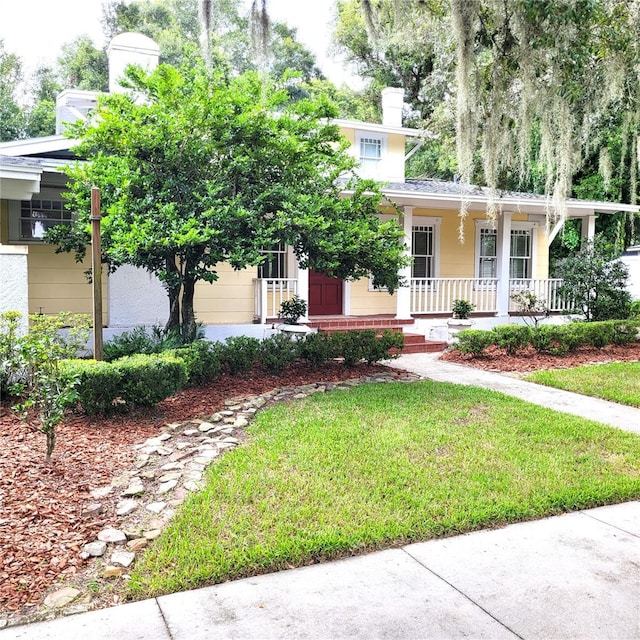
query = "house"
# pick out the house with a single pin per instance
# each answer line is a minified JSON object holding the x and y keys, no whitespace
{"x":497,"y":258}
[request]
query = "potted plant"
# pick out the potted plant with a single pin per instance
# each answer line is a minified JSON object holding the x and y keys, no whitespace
{"x":461,"y":311}
{"x":292,"y":310}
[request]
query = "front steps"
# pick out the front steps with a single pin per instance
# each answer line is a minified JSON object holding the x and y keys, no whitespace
{"x":413,"y":342}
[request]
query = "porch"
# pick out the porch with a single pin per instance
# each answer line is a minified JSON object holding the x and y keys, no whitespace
{"x":424,"y":296}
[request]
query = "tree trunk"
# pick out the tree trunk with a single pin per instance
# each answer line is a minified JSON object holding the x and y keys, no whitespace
{"x":51,"y":442}
{"x":188,"y":329}
{"x":173,"y":291}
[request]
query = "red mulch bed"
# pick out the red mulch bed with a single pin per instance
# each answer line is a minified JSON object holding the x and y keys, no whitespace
{"x":42,"y":525}
{"x":497,"y":360}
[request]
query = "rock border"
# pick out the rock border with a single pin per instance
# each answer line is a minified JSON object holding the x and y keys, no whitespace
{"x":168,"y":468}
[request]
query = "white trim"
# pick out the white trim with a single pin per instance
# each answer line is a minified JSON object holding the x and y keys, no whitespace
{"x":378,"y":128}
{"x":34,"y":146}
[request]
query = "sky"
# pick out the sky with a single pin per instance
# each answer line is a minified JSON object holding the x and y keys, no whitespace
{"x":37,"y":29}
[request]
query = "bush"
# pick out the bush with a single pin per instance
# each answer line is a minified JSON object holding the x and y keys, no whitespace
{"x":317,"y":348}
{"x":474,"y":341}
{"x":625,"y":331}
{"x":9,"y":361}
{"x":354,"y":346}
{"x":512,"y":337}
{"x":144,"y":340}
{"x":98,"y":385}
{"x":203,"y":361}
{"x":278,"y":352}
{"x":148,"y":379}
{"x":240,"y":353}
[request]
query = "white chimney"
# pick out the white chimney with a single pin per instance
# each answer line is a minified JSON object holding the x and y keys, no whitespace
{"x":130,"y":48}
{"x":72,"y":105}
{"x":392,"y":102}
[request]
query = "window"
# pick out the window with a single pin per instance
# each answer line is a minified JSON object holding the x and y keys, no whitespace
{"x":423,"y":252}
{"x":37,"y":216}
{"x":520,"y":256}
{"x":370,"y":151}
{"x":488,"y":253}
{"x":370,"y":154}
{"x":275,"y":263}
{"x":520,"y":262}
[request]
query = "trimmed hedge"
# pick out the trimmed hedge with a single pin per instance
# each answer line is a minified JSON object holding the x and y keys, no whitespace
{"x":146,"y":379}
{"x":555,"y":339}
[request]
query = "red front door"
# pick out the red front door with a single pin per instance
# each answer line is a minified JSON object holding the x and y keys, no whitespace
{"x":325,"y":295}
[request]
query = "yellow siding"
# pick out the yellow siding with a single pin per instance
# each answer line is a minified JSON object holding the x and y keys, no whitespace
{"x":229,"y":300}
{"x":57,"y":283}
{"x":350,"y":135}
{"x":365,"y":302}
{"x":396,"y":149}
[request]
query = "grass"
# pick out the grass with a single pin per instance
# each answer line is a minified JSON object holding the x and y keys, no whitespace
{"x":618,"y":382}
{"x":381,"y":465}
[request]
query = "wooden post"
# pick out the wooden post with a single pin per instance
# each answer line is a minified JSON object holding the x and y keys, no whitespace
{"x":96,"y":274}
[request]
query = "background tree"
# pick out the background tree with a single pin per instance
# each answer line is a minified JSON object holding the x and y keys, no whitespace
{"x":83,"y":66}
{"x":536,"y":84}
{"x":11,"y":112}
{"x":210,"y":169}
{"x":41,"y":115}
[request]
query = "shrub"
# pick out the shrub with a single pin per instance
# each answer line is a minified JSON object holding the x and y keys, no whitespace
{"x":148,"y":379}
{"x":203,"y":360}
{"x":240,"y":353}
{"x":544,"y":337}
{"x":317,"y":348}
{"x":36,"y":369}
{"x":474,"y":341}
{"x":145,"y":340}
{"x":571,"y":336}
{"x":98,"y":385}
{"x":380,"y":348}
{"x":512,"y":337}
{"x":596,"y":282}
{"x":625,"y":331}
{"x":9,"y":363}
{"x":278,"y":352}
{"x":354,"y":346}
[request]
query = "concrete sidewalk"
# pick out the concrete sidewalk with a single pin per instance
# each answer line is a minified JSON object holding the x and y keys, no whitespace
{"x":428,"y":366}
{"x":571,"y":576}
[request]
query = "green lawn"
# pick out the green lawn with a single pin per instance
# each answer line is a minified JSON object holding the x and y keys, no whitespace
{"x":618,"y":381}
{"x":379,"y":465}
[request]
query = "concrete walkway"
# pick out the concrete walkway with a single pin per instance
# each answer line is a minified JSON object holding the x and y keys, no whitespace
{"x":570,"y":576}
{"x":428,"y":366}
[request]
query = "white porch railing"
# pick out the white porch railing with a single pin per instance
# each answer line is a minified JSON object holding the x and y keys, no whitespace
{"x":546,"y":290}
{"x":269,"y":294}
{"x":436,"y":295}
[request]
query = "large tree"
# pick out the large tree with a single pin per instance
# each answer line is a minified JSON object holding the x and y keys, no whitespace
{"x":204,"y":168}
{"x":531,"y":86}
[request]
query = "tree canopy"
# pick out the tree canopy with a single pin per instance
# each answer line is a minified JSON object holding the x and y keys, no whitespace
{"x":542,"y":95}
{"x":208,"y":168}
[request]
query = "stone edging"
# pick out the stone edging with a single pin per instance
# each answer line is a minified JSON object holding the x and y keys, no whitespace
{"x":168,"y":467}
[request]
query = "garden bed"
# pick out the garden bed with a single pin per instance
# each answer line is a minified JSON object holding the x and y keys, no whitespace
{"x":43,"y":523}
{"x":530,"y":360}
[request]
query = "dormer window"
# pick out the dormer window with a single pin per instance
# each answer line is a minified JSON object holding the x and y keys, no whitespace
{"x":370,"y":150}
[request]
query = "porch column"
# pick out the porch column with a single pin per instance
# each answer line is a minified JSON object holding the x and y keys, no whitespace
{"x":503,"y":252}
{"x":403,"y":295}
{"x":588,"y":227}
{"x":303,"y":290}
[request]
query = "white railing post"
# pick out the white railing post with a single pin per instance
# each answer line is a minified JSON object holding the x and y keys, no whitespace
{"x":263,"y":301}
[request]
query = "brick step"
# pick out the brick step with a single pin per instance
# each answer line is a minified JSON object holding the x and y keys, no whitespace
{"x":428,"y":346}
{"x":356,"y":323}
{"x":330,"y":329}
